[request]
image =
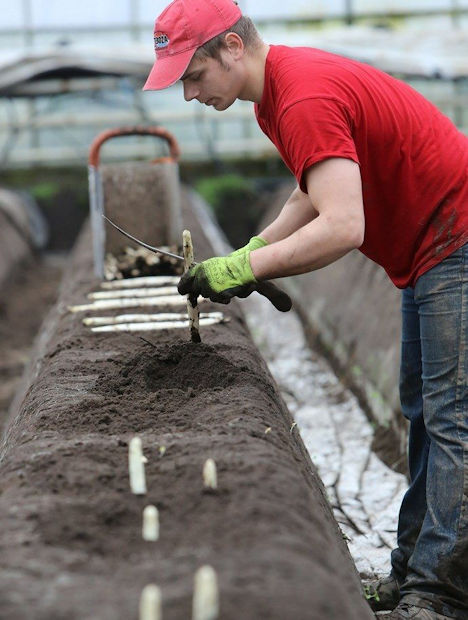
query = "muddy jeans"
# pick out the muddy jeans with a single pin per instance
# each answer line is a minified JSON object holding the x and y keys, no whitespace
{"x":431,"y":560}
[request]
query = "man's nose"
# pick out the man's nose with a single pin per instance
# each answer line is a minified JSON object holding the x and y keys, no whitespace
{"x":190,"y":91}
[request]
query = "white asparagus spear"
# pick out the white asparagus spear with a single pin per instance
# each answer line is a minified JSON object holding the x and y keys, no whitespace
{"x":205,"y":604}
{"x":170,"y":300}
{"x":192,"y":310}
{"x":133,"y":292}
{"x":136,"y":467}
{"x":147,"y":318}
{"x":143,"y":281}
{"x":150,"y":603}
{"x":150,"y":530}
{"x":210,"y":479}
{"x":150,"y":327}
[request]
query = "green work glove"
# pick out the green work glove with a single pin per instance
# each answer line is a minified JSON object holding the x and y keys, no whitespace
{"x":220,"y":278}
{"x":254,"y":244}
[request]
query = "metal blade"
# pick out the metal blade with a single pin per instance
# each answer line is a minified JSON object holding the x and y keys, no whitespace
{"x":142,"y":243}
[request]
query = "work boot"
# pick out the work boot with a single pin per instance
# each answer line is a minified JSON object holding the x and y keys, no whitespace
{"x":407,"y":611}
{"x":382,"y":594}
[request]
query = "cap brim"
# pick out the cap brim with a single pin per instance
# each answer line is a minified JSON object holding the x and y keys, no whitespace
{"x":166,"y":71}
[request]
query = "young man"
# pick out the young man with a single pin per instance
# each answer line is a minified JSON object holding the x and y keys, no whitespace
{"x":378,"y":168}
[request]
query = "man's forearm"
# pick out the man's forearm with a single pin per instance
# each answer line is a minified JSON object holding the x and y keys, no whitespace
{"x":314,"y":246}
{"x":296,"y":213}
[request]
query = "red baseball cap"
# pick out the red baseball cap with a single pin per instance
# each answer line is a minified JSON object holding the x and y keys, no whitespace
{"x":180,"y":30}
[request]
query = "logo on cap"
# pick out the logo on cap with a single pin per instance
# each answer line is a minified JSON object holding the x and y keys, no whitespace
{"x":161,"y":40}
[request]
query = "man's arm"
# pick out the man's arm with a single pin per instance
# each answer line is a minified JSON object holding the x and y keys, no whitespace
{"x":335,"y":193}
{"x":296,"y":213}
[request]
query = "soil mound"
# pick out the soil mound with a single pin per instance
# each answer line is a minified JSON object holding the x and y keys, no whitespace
{"x":71,"y":544}
{"x":182,"y":366}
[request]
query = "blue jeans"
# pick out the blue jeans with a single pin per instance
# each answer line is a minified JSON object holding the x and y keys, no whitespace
{"x":431,"y":560}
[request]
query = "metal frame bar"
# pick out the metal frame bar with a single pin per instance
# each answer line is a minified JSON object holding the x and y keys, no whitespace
{"x":348,"y":14}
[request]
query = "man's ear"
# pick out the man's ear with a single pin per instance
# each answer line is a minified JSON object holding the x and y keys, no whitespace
{"x":235,"y":45}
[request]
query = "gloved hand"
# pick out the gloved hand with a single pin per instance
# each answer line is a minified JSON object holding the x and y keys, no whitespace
{"x":254,"y":244}
{"x":220,"y":278}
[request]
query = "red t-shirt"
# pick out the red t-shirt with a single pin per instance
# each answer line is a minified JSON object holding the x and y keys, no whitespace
{"x":413,"y":160}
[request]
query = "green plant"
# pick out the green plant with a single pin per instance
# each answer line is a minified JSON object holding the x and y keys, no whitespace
{"x":45,"y":190}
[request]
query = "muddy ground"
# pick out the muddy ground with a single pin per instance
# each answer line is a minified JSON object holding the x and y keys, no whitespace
{"x":25,"y":299}
{"x":71,"y":544}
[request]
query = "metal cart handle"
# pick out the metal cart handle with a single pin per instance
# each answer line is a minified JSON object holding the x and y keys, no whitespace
{"x":157,"y":132}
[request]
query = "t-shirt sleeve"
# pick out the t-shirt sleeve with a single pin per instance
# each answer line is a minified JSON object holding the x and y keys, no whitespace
{"x":315,"y":129}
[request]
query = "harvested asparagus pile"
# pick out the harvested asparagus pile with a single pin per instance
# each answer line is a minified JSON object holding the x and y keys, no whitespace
{"x":135,"y":262}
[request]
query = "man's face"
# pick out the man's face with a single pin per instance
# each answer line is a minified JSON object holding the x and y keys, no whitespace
{"x":213,"y":83}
